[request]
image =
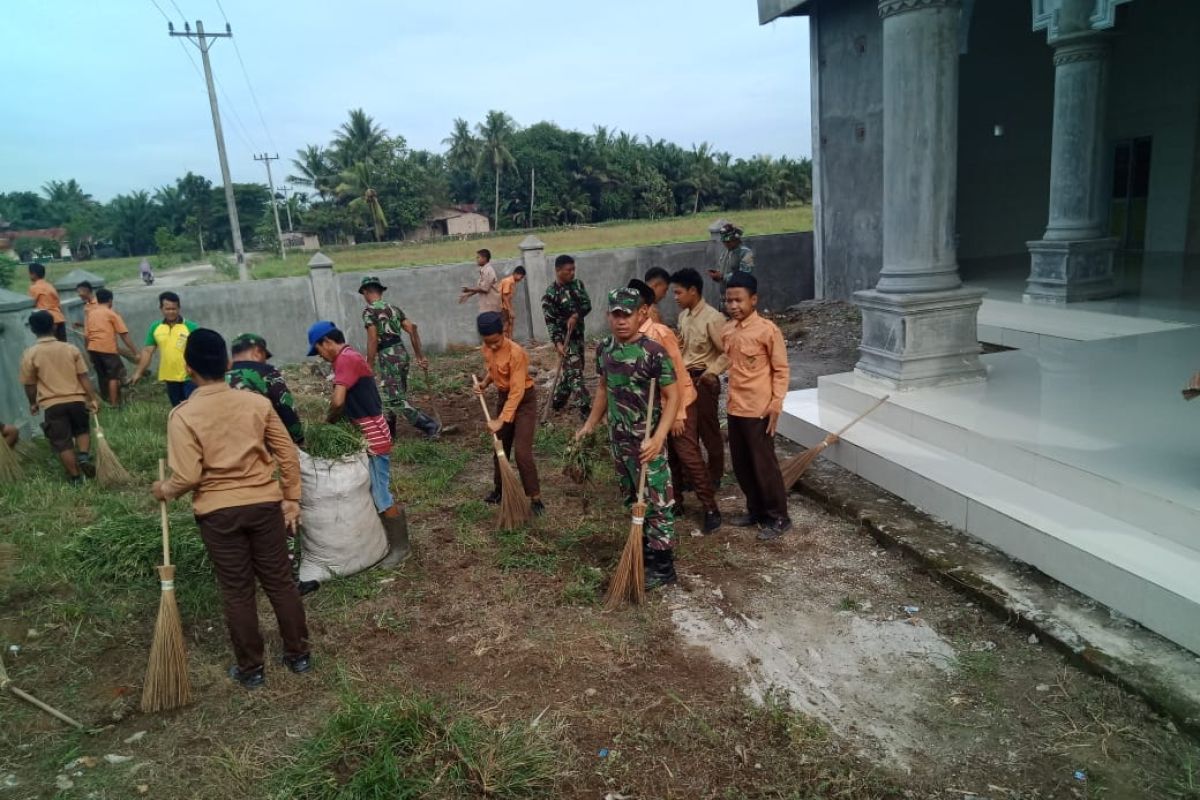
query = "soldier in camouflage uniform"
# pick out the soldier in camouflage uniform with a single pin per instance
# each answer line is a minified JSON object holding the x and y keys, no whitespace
{"x":385,"y":324}
{"x":737,"y":256}
{"x":250,"y":371}
{"x":565,"y":300}
{"x":626,"y":363}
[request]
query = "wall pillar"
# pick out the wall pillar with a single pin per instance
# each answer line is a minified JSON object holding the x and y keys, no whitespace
{"x":539,"y":274}
{"x":919,"y":323}
{"x":15,"y":337}
{"x":324,"y":288}
{"x":1074,"y":259}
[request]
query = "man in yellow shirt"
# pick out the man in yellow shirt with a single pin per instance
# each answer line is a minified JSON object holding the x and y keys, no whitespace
{"x":45,"y":298}
{"x":168,"y":338}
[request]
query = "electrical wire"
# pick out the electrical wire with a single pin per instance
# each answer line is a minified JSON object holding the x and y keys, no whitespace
{"x":245,"y":74}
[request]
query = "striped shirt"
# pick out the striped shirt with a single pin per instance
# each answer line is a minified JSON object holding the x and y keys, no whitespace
{"x":363,"y":404}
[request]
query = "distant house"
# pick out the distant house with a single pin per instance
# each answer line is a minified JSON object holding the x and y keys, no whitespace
{"x":456,"y":221}
{"x":298,"y":240}
{"x":8,"y":239}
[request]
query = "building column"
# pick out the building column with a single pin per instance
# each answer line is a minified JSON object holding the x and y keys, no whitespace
{"x":1074,"y":258}
{"x":919,"y":323}
{"x":539,"y":274}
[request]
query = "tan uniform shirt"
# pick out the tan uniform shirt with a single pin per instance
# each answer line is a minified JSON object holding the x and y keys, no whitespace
{"x":507,"y":286}
{"x":509,"y":370}
{"x":660,"y":333}
{"x":219,"y":444}
{"x":45,"y":298}
{"x":490,"y":299}
{"x":758,"y":367}
{"x":101,"y":327}
{"x":54,"y":368}
{"x":701,"y":330}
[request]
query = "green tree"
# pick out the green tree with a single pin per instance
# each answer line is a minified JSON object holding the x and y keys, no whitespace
{"x":198,"y":198}
{"x":314,"y":169}
{"x":64,"y":200}
{"x":702,"y":176}
{"x":24,"y":211}
{"x":495,"y":134}
{"x":358,"y":185}
{"x":462,"y":155}
{"x":359,"y":140}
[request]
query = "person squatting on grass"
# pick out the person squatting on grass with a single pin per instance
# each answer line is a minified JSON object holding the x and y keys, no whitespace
{"x":223,"y":447}
{"x":758,"y":381}
{"x":515,"y":420}
{"x":564,"y":306}
{"x":356,"y":396}
{"x":56,"y":383}
{"x":684,"y":456}
{"x":626,"y":363}
{"x":386,"y":354}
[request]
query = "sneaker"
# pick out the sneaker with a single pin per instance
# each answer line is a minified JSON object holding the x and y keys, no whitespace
{"x":249,"y":679}
{"x":298,"y":664}
{"x":774,"y":529}
{"x":538,"y":507}
{"x":745,"y":521}
{"x":712,"y":521}
{"x":493,"y":497}
{"x":85,"y":465}
{"x":307,"y":587}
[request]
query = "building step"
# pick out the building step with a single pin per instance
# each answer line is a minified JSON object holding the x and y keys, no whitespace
{"x":1146,"y":576}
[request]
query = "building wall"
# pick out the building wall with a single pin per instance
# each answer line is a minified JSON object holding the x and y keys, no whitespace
{"x":847,"y":39}
{"x":1006,"y":78}
{"x":467,"y":223}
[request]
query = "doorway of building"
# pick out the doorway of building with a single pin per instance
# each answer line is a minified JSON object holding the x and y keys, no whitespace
{"x":1131,"y":190}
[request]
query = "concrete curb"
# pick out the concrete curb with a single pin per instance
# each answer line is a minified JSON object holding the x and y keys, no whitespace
{"x":1092,"y":637}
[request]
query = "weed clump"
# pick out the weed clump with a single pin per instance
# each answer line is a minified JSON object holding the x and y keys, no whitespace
{"x":332,"y":441}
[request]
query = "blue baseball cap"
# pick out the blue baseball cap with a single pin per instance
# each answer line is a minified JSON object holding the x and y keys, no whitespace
{"x":318,"y":331}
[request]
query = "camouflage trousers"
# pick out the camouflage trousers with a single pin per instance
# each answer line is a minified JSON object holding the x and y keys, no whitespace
{"x":571,"y":383}
{"x":391,"y":370}
{"x":659,"y":527}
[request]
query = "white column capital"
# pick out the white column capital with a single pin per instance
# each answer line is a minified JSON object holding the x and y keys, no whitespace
{"x":1081,"y":47}
{"x":888,"y":8}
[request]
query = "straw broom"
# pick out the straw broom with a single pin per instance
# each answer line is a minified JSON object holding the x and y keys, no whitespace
{"x":515,"y":508}
{"x":562,"y":360}
{"x":794,"y":467}
{"x":629,"y":580}
{"x":109,"y":470}
{"x":10,"y":465}
{"x":167,"y":685}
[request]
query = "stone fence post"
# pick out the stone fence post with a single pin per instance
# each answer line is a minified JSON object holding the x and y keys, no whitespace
{"x":539,"y":274}
{"x":14,"y":338}
{"x":326,"y":302}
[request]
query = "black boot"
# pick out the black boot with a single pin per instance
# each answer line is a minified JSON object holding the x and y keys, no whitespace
{"x":391,"y":423}
{"x":399,"y":548}
{"x":428,"y":426}
{"x":662,"y":572}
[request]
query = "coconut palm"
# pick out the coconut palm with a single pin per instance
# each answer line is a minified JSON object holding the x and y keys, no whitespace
{"x":462,"y":147}
{"x":65,"y":199}
{"x":495,"y":133}
{"x":313,"y":168}
{"x":359,"y":140}
{"x":356,"y":183}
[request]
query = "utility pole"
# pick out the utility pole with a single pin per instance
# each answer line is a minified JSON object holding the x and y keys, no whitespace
{"x":532,"y":187}
{"x":274,"y":205}
{"x":201,"y":40}
{"x":287,"y":206}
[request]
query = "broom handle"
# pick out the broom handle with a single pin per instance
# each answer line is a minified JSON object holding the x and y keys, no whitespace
{"x":51,"y":710}
{"x":162,"y":510}
{"x":486,"y":414}
{"x":859,"y":418}
{"x":646,"y":438}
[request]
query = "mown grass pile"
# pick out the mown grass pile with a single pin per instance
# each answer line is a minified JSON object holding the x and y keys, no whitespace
{"x":332,"y":441}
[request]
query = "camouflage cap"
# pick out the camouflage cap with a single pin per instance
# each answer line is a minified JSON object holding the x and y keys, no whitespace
{"x":730,"y":232}
{"x":244,"y":341}
{"x":625,"y":301}
{"x":371,"y":281}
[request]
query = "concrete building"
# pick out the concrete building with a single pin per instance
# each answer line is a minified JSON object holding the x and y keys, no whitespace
{"x":1023,"y":174}
{"x":459,"y":221}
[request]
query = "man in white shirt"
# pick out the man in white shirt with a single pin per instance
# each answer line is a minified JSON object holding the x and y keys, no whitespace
{"x":488,"y":287}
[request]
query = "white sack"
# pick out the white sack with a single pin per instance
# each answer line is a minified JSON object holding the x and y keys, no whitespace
{"x":340,"y":530}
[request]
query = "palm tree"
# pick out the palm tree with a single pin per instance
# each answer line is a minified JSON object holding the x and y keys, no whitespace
{"x":174,"y":206}
{"x":463,"y":148}
{"x":132,"y":220}
{"x":702,"y":173}
{"x":496,"y":133}
{"x":65,"y":199}
{"x":356,"y":183}
{"x":359,"y":140}
{"x":313,"y":168}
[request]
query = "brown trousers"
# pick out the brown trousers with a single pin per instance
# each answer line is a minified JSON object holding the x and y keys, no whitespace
{"x":244,"y":543}
{"x":687,"y":462}
{"x":752,"y":452}
{"x":518,"y":436}
{"x":708,"y":398}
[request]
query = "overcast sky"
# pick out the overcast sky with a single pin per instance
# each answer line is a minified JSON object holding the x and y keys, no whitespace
{"x":98,"y":92}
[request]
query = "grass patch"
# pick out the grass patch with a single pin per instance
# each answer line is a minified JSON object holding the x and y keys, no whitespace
{"x":429,"y":468}
{"x":583,"y":588}
{"x":409,"y":746}
{"x":521,"y":550}
{"x":332,"y":441}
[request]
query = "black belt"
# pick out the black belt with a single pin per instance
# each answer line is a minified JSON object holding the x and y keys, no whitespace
{"x":389,"y":341}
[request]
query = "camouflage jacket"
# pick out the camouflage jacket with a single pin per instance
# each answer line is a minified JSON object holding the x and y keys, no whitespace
{"x":267,"y":381}
{"x":740,"y":259}
{"x":627,"y":370}
{"x":388,"y":322}
{"x":559,"y":303}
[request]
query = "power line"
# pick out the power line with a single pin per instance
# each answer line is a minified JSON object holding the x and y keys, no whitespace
{"x":180,"y":10}
{"x":246,"y":74}
{"x":240,"y":128}
{"x":164,"y":14}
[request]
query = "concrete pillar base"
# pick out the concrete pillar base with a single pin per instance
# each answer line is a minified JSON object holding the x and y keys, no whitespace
{"x":1071,"y":270}
{"x":913,"y":341}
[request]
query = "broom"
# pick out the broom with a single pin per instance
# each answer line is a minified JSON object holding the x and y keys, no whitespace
{"x":794,"y":467}
{"x":167,"y":684}
{"x":562,"y":360}
{"x":515,"y":508}
{"x":629,"y":580}
{"x":7,"y":557}
{"x":109,"y":470}
{"x":10,"y":465}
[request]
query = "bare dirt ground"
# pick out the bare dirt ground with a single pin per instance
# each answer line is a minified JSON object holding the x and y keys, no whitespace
{"x":817,"y":666}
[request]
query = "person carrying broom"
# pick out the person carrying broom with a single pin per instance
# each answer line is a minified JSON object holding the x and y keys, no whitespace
{"x":515,"y":420}
{"x":627,"y":362}
{"x":223,"y":446}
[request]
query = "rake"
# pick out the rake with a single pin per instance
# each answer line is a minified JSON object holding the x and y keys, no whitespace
{"x":562,"y":360}
{"x":794,"y":467}
{"x":629,"y":580}
{"x":109,"y":470}
{"x":167,"y":685}
{"x":515,"y":508}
